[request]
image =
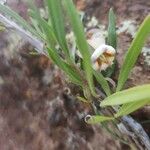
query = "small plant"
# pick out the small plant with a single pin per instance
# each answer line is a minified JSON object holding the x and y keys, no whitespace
{"x":83,"y":69}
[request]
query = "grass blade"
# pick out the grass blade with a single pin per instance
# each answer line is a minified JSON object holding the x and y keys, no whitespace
{"x":111,"y":40}
{"x":112,"y":37}
{"x":130,"y":107}
{"x":97,"y":119}
{"x":133,"y":52}
{"x":65,"y":67}
{"x":35,"y":25}
{"x":7,"y":11}
{"x":56,"y":14}
{"x":81,"y":41}
{"x":43,"y":25}
{"x":102,"y":81}
{"x":135,"y":94}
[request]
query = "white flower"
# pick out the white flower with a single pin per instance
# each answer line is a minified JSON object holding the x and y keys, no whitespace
{"x":103,"y":57}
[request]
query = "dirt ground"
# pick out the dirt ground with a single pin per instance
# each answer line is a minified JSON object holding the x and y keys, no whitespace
{"x":35,"y":112}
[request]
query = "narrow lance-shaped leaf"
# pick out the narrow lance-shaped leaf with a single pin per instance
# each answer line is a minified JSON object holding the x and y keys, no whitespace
{"x":56,"y":14}
{"x":49,"y":33}
{"x":97,"y":119}
{"x":51,"y":39}
{"x":102,"y":81}
{"x":65,"y":67}
{"x":35,"y":25}
{"x":131,"y":107}
{"x":34,"y":13}
{"x":135,"y":94}
{"x":112,"y":38}
{"x":133,"y":52}
{"x":43,"y":25}
{"x":81,"y":41}
{"x":7,"y":11}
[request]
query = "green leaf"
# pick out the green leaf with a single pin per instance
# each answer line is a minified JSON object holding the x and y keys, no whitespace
{"x":48,"y":32}
{"x":133,"y":52}
{"x":73,"y":75}
{"x":97,"y":119}
{"x":56,"y":14}
{"x":135,"y":94}
{"x":131,"y":107}
{"x":51,"y":39}
{"x":78,"y":29}
{"x":102,"y":81}
{"x":112,"y":37}
{"x":35,"y":25}
{"x":7,"y":11}
{"x":65,"y":67}
{"x":111,"y":40}
{"x":81,"y":41}
{"x":34,"y":13}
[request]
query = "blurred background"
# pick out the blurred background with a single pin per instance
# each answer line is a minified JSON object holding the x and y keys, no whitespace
{"x":36,"y":111}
